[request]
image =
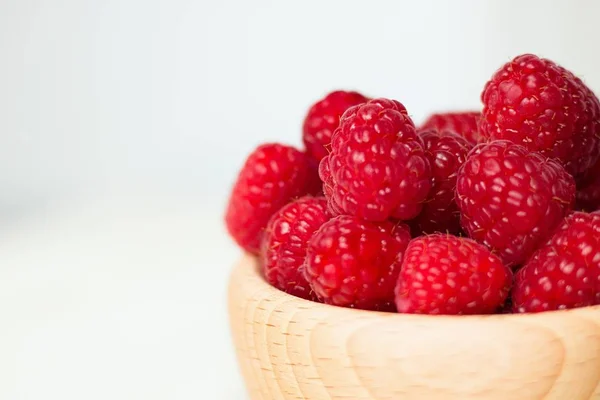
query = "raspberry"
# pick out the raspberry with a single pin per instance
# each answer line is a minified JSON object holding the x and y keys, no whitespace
{"x":446,"y":151}
{"x":272,"y":175}
{"x":355,"y":263}
{"x":588,"y":190}
{"x":539,"y":104}
{"x":511,"y":199}
{"x":285,"y":241}
{"x":565,"y":272}
{"x":445,"y":274}
{"x":323,"y":118}
{"x":465,"y":123}
{"x":377,"y":167}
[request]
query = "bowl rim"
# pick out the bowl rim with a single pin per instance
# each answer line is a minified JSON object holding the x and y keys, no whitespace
{"x":268,"y":290}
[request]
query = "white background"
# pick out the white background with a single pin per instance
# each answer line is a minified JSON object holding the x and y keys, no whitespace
{"x":123,"y":123}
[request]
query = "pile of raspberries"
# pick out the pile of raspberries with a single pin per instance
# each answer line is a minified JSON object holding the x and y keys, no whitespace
{"x":477,"y":212}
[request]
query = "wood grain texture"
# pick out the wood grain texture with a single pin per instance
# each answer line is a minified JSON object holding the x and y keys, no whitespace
{"x":289,"y":348}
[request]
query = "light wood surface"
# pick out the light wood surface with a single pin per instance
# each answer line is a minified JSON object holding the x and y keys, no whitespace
{"x":289,"y":348}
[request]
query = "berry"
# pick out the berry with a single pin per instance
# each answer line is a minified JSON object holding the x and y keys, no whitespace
{"x":323,"y":118}
{"x":446,"y":152}
{"x":565,"y":272}
{"x":588,"y":190}
{"x":355,"y":263}
{"x":465,"y":124}
{"x":542,"y":106}
{"x":377,"y":167}
{"x":272,"y":175}
{"x":511,"y":199}
{"x":445,"y":274}
{"x":285,"y":241}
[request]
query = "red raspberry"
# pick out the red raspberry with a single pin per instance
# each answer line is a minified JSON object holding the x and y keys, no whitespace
{"x":446,"y":151}
{"x":272,"y":175}
{"x":511,"y":199}
{"x":354,"y":263}
{"x":588,"y":190}
{"x":323,"y":118}
{"x":377,"y":168}
{"x":565,"y":272}
{"x":537,"y":103}
{"x":465,"y":123}
{"x":445,"y":274}
{"x":285,"y":241}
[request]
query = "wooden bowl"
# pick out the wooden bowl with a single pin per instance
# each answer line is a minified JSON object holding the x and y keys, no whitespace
{"x":289,"y":348}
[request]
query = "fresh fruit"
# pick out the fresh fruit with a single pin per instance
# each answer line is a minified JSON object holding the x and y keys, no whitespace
{"x":285,"y":241}
{"x":323,"y":118}
{"x":476,"y":196}
{"x":465,"y":124}
{"x":565,"y":272}
{"x":446,"y":152}
{"x":272,"y":175}
{"x":536,"y":103}
{"x":377,"y":167}
{"x":588,"y":190}
{"x":511,"y":199}
{"x":355,"y":263}
{"x":445,"y":274}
